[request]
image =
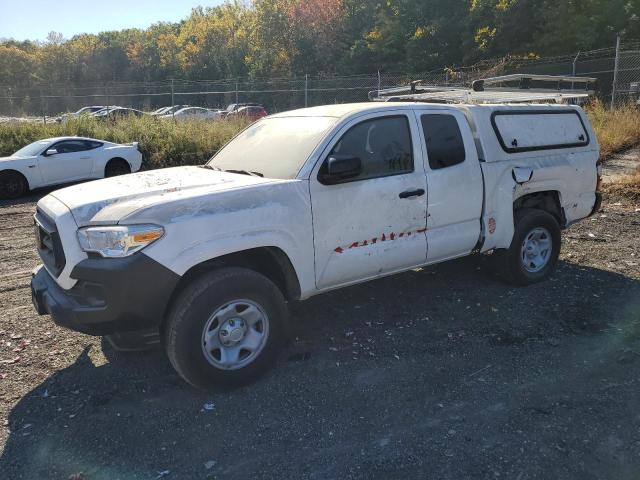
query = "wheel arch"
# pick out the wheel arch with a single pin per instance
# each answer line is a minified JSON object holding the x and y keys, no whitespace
{"x":22,"y":174}
{"x":546,"y":200}
{"x":272,"y":262}
{"x":117,"y":159}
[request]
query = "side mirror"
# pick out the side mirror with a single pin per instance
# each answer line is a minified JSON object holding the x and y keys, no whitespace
{"x":339,"y":167}
{"x":51,"y":151}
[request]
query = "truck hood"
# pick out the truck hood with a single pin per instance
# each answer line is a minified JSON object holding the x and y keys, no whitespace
{"x":111,"y":199}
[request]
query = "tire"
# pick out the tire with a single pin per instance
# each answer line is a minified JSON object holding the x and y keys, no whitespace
{"x":12,"y":185}
{"x":220,"y":306}
{"x":116,"y":167}
{"x":533,"y":254}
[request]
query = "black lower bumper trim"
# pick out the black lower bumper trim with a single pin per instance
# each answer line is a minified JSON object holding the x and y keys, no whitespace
{"x":111,"y":295}
{"x":597,"y":205}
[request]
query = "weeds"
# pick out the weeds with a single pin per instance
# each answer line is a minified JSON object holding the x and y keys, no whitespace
{"x":617,"y":130}
{"x":163,"y":143}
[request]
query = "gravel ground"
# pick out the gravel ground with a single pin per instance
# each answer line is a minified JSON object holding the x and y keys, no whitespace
{"x":441,"y":373}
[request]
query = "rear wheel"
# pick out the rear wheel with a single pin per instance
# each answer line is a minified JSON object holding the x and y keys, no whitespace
{"x":12,"y":185}
{"x":225,"y":328}
{"x":534,"y":250}
{"x":115,"y":167}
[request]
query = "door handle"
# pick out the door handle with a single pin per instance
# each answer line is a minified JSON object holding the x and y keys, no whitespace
{"x":85,"y":158}
{"x":412,"y":193}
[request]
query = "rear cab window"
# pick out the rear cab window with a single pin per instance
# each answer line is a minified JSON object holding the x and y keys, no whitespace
{"x":530,"y":130}
{"x":443,"y":138}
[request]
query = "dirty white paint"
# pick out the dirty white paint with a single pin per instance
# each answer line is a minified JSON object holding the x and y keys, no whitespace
{"x":67,"y":227}
{"x":455,"y":197}
{"x":350,"y":219}
{"x":336,"y":235}
{"x":41,"y":171}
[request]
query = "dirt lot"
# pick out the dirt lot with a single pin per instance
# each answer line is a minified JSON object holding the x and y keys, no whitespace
{"x":441,"y":373}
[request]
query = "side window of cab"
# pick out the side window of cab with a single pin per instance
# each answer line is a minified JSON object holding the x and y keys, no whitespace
{"x":445,"y":146}
{"x":382,"y":146}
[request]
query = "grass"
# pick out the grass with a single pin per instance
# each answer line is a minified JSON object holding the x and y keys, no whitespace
{"x":617,"y":130}
{"x":163,"y":143}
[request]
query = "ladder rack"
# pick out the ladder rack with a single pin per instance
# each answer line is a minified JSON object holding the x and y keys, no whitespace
{"x":528,"y":89}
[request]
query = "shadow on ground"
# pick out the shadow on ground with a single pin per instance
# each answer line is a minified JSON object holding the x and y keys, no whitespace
{"x":442,"y":373}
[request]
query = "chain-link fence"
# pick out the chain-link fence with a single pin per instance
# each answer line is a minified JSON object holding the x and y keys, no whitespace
{"x":617,"y":70}
{"x":626,"y":73}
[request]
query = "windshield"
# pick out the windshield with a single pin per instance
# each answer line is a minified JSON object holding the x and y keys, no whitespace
{"x":273,"y":147}
{"x":33,"y":149}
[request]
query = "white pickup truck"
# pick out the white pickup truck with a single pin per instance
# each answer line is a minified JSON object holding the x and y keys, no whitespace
{"x":303,"y":202}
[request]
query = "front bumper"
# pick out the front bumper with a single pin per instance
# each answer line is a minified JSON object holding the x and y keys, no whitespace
{"x":110,"y":296}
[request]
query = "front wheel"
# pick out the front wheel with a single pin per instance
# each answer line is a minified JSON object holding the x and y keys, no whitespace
{"x":225,"y":328}
{"x":535,"y":248}
{"x":12,"y":185}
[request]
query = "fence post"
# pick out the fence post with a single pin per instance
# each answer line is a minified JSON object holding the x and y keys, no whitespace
{"x":615,"y":72}
{"x":306,"y":89}
{"x":236,"y":90}
{"x":172,"y":92}
{"x":379,"y":83}
{"x":573,"y":69}
{"x":44,"y":118}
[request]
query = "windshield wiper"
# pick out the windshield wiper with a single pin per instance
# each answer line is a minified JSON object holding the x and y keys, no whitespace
{"x":241,"y":172}
{"x":245,"y":172}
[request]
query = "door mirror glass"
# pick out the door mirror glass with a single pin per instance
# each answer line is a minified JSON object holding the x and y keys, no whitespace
{"x":51,"y":151}
{"x":339,"y":167}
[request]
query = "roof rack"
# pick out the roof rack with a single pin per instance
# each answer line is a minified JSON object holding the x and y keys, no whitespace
{"x":516,"y":88}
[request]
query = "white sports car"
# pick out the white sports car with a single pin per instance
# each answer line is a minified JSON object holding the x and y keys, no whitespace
{"x":64,"y":160}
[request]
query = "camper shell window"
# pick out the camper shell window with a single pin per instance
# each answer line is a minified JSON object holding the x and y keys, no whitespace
{"x":529,"y":130}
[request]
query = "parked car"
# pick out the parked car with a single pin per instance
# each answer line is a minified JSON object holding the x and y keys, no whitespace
{"x":191,"y":113}
{"x":159,"y":111}
{"x":169,"y":110}
{"x":54,"y":161}
{"x":252,"y":113}
{"x":105,"y":109}
{"x":232,"y":107}
{"x":83,"y":111}
{"x":303,"y":202}
{"x":118,"y":113}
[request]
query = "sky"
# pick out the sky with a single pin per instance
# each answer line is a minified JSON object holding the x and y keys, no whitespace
{"x":34,"y":19}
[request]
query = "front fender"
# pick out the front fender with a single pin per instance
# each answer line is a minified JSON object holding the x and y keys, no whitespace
{"x":202,"y":229}
{"x":34,"y":180}
{"x":215,"y":247}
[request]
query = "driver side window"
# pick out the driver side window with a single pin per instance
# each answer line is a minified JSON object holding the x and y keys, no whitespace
{"x":382,"y":144}
{"x":70,"y":146}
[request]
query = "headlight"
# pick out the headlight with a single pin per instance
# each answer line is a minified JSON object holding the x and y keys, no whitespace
{"x":118,"y":241}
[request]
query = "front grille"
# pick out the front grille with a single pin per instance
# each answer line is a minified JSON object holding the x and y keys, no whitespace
{"x":48,"y":243}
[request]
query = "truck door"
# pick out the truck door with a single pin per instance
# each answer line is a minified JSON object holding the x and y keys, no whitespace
{"x":455,"y":184}
{"x":373,"y":223}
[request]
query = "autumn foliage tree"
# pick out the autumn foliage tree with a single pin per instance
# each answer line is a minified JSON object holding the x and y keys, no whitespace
{"x":267,"y":38}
